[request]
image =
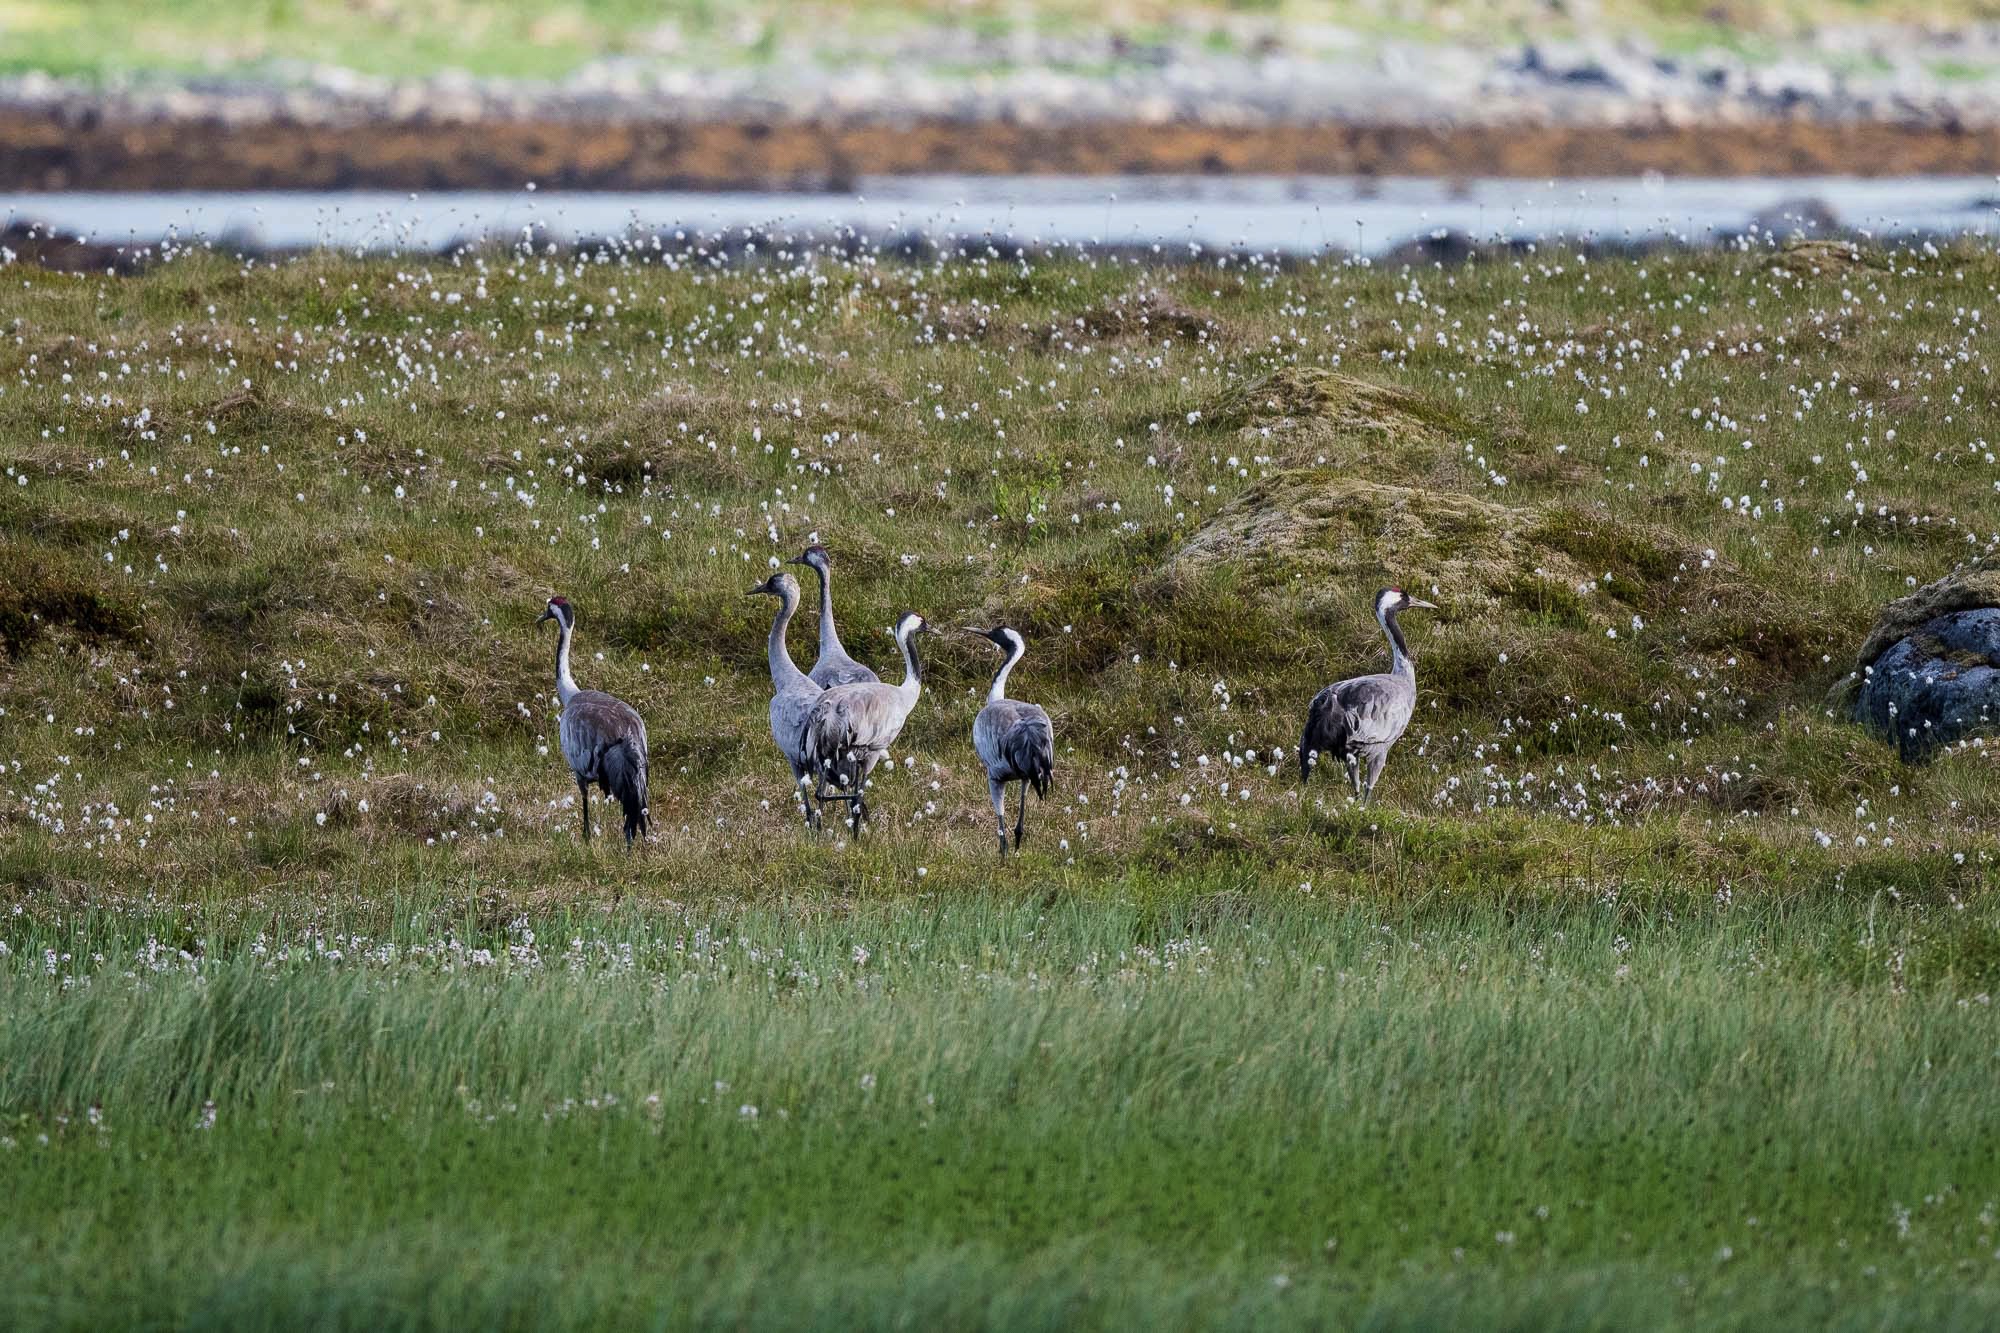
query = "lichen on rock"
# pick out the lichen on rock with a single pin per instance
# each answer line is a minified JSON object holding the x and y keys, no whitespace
{"x":1928,"y":673}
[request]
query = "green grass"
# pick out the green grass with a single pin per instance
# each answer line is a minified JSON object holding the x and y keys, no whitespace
{"x":1637,"y":933}
{"x":277,"y":39}
{"x":984,"y":1112}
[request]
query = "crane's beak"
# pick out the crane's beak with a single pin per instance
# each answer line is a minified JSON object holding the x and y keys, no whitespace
{"x":1420,"y":602}
{"x":545,"y":615}
{"x":795,"y":560}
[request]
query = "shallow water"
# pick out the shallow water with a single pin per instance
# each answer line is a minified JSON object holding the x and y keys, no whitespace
{"x":1293,"y":215}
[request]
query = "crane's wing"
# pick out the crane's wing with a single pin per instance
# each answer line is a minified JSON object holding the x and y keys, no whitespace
{"x":1355,"y":715}
{"x":592,"y":720}
{"x":1029,"y":747}
{"x":1375,"y":709}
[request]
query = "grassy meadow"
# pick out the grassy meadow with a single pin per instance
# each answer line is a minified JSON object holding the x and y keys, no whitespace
{"x":1651,"y":992}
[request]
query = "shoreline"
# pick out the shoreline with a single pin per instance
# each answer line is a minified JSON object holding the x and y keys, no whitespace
{"x":42,"y":151}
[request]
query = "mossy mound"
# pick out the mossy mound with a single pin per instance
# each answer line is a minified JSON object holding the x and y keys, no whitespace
{"x":1292,"y":398}
{"x":1825,"y":255}
{"x":1148,"y":314}
{"x":1546,"y":565}
{"x":1315,"y":521}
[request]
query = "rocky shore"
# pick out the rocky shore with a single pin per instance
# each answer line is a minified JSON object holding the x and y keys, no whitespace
{"x":1851,"y":101}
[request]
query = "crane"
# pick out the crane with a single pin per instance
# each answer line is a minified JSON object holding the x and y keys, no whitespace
{"x":1359,"y":719}
{"x":834,"y":666}
{"x":603,"y":737}
{"x":793,"y":693}
{"x":1014,"y":740}
{"x":851,"y":727}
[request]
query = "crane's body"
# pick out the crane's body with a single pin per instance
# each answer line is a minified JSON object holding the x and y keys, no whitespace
{"x":1015,"y":740}
{"x":1359,"y":720}
{"x":793,"y":693}
{"x":603,"y":738}
{"x":834,"y":666}
{"x":851,"y":727}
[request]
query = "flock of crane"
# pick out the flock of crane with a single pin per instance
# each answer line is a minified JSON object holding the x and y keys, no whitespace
{"x":835,"y":723}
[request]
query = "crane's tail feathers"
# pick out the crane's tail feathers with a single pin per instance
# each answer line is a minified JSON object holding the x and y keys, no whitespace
{"x":1324,"y":737}
{"x":831,"y":753}
{"x":624,"y":777}
{"x":1030,"y":750}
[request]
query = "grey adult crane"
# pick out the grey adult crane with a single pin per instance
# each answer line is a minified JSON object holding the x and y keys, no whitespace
{"x":1359,"y":719}
{"x":834,"y":666}
{"x":603,"y":738}
{"x":851,"y":727}
{"x":792,"y":691}
{"x":1014,"y":740}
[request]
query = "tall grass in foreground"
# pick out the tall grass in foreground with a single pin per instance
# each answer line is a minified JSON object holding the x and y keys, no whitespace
{"x":990,"y":1112}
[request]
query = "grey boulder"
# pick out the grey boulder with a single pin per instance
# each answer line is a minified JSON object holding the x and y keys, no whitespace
{"x":1936,"y":686}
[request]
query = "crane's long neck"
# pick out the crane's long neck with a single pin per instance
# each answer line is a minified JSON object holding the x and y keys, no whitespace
{"x":913,"y":670}
{"x":565,"y":683}
{"x":829,"y":637}
{"x":783,"y":672}
{"x":1400,"y":661}
{"x":998,"y":689}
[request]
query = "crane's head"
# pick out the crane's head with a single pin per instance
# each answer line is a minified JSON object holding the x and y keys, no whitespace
{"x":780,"y":585}
{"x":1006,"y":640}
{"x":814,"y":557}
{"x":560,"y":612}
{"x":1389,"y":601}
{"x":910,"y":624}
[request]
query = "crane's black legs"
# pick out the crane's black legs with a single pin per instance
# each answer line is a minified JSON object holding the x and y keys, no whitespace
{"x":583,"y":790}
{"x":1021,"y":821}
{"x":857,"y":808}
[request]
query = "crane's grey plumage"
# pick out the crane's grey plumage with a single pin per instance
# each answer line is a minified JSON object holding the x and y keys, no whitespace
{"x":1014,"y":740}
{"x":602,"y":737}
{"x":1358,"y":720}
{"x":851,"y":727}
{"x":834,"y":666}
{"x":793,"y":693}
